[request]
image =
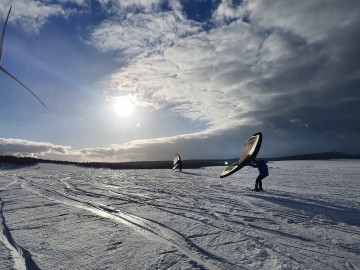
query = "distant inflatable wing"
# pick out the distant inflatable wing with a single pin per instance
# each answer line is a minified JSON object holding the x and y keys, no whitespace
{"x":177,"y":159}
{"x":249,"y":152}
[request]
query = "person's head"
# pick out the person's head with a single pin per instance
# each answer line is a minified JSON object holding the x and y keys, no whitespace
{"x":259,"y":160}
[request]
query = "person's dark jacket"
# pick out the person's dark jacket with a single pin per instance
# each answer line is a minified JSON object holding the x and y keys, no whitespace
{"x":262,"y":167}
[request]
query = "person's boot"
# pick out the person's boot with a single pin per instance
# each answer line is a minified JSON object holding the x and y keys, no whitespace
{"x":260,"y":187}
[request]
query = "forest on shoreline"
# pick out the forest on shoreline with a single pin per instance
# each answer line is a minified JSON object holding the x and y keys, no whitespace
{"x":187,"y":164}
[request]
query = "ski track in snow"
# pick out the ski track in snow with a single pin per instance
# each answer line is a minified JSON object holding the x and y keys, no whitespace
{"x":203,"y":222}
{"x":153,"y":230}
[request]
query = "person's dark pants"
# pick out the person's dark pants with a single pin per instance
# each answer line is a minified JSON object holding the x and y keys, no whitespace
{"x":258,"y":183}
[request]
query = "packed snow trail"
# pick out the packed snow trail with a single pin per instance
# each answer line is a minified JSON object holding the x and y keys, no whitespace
{"x":308,"y":218}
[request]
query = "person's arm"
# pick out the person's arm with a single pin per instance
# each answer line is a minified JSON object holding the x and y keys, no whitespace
{"x":253,"y":163}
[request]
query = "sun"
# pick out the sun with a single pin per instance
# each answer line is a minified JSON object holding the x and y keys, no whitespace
{"x":124,"y":106}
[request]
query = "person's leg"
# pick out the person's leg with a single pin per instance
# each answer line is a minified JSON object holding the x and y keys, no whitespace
{"x":257,"y":183}
{"x":260,"y":183}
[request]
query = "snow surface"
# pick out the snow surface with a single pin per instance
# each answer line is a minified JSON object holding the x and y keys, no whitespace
{"x":65,"y":217}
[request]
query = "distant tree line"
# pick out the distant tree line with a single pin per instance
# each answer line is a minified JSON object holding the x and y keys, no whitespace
{"x":21,"y":161}
{"x":187,"y":164}
{"x":30,"y":161}
{"x":318,"y":156}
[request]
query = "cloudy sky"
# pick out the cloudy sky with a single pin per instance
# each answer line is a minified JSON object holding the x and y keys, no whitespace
{"x":145,"y":79}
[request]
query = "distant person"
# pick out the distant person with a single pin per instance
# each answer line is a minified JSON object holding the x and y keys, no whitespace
{"x":180,"y":165}
{"x":261,"y":165}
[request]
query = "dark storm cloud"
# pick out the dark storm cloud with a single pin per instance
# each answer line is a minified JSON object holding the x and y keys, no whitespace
{"x":313,"y":73}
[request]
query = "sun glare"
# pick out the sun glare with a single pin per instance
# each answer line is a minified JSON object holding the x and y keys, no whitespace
{"x":124,"y":106}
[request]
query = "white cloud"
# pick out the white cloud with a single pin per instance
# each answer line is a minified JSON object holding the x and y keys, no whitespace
{"x":203,"y":77}
{"x":83,"y":3}
{"x":148,"y":5}
{"x":227,"y":11}
{"x":311,"y":20}
{"x":141,"y":33}
{"x":212,"y":144}
{"x":20,"y":147}
{"x":123,"y":7}
{"x":30,"y":15}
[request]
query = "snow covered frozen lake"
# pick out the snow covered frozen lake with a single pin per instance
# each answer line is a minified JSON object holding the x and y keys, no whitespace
{"x":66,"y":217}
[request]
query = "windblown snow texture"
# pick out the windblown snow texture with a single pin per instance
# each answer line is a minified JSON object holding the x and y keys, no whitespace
{"x":65,"y":217}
